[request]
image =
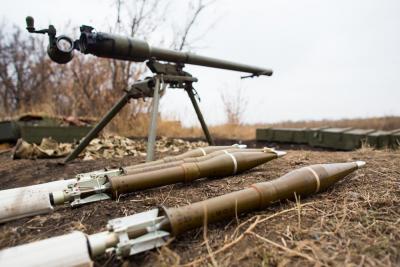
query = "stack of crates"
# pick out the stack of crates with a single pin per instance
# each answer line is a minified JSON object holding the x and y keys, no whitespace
{"x":332,"y":138}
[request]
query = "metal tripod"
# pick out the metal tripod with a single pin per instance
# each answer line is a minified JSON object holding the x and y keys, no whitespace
{"x":164,"y":74}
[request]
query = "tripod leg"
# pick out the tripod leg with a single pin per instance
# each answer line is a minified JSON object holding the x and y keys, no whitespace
{"x":99,"y":126}
{"x":200,"y":117}
{"x":153,"y":122}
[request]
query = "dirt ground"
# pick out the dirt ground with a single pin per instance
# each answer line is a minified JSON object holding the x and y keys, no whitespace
{"x":354,"y":223}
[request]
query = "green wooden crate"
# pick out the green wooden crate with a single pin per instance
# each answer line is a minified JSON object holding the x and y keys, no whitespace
{"x":300,"y":136}
{"x":313,"y":136}
{"x":332,"y":138}
{"x":282,"y":135}
{"x":264,"y":134}
{"x":9,"y":131}
{"x":379,"y":139}
{"x":67,"y":134}
{"x":355,"y":138}
{"x":395,"y":140}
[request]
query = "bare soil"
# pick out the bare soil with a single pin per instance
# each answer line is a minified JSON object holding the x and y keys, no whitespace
{"x":354,"y":223}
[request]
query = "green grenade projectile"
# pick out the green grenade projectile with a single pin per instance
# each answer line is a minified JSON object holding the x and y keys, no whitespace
{"x":147,"y":230}
{"x":224,"y":164}
{"x":194,"y":153}
{"x":169,"y":162}
{"x":303,"y":182}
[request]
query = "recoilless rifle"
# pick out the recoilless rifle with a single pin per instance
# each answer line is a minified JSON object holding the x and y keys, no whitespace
{"x":61,"y":50}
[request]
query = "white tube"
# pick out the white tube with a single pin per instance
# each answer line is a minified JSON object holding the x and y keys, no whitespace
{"x":60,"y":251}
{"x":28,"y":201}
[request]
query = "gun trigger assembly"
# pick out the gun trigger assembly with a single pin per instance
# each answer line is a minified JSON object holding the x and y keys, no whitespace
{"x":145,"y":222}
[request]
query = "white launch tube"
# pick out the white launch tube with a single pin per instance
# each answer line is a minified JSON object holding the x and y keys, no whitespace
{"x":28,"y":201}
{"x":61,"y":251}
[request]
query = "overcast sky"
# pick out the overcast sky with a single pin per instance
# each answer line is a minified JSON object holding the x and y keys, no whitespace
{"x":331,"y":59}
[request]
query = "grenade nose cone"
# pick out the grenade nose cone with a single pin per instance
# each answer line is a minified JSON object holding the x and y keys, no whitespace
{"x":280,"y":153}
{"x":360,"y":164}
{"x":240,"y":146}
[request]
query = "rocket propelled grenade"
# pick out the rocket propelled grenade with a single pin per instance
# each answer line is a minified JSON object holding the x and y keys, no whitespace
{"x":95,"y":186}
{"x":223,"y":163}
{"x":193,"y":153}
{"x":147,"y":230}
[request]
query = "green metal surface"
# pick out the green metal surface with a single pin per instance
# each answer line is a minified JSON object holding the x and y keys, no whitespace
{"x":282,"y":135}
{"x":300,"y":136}
{"x":314,"y":137}
{"x":9,"y":131}
{"x":354,"y":139}
{"x":286,"y":135}
{"x":33,"y":128}
{"x":395,"y":140}
{"x":35,"y":134}
{"x":264,"y":134}
{"x":332,"y":138}
{"x":379,"y":139}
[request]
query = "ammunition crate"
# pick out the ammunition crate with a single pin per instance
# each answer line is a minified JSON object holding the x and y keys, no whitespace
{"x":395,"y":140}
{"x":282,"y":135}
{"x":264,"y":134}
{"x":331,"y":138}
{"x":9,"y":131}
{"x":379,"y":139}
{"x":33,"y":131}
{"x":313,"y":136}
{"x":354,"y":139}
{"x":66,"y":134}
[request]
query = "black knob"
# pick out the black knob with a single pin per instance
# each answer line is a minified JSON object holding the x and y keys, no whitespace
{"x":30,"y":24}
